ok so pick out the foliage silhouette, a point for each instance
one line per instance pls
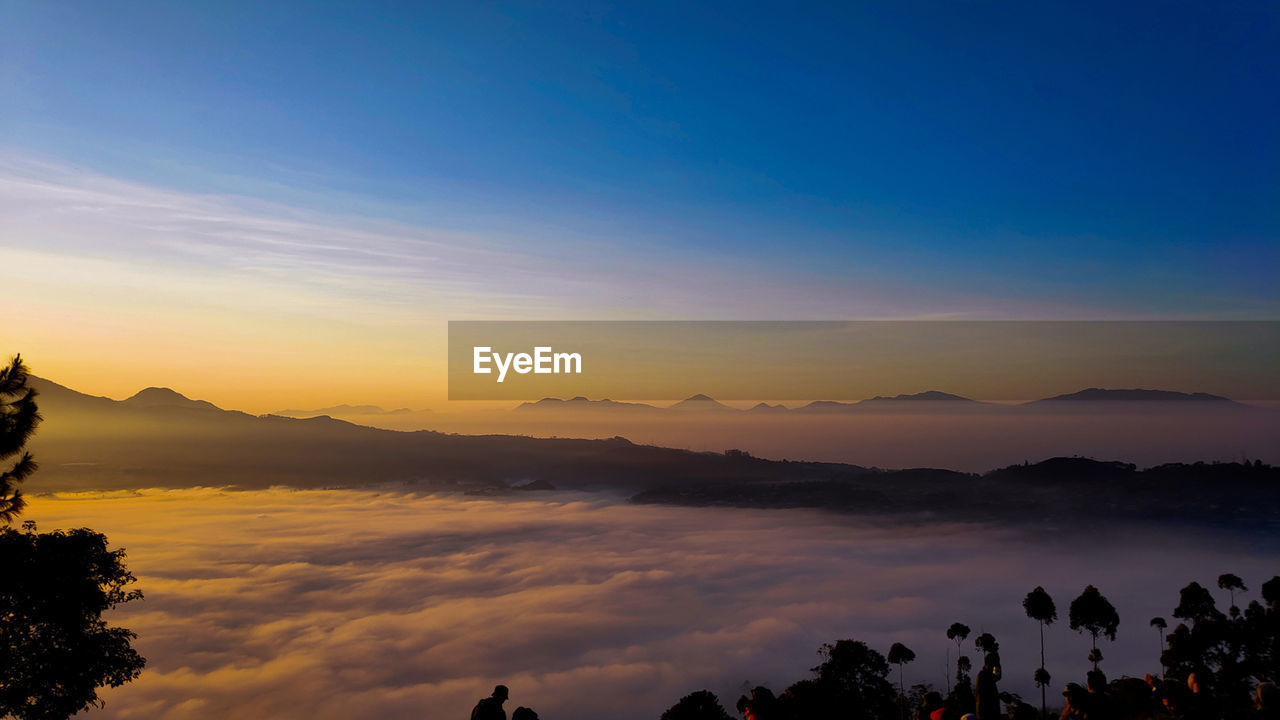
(986, 642)
(1094, 614)
(1160, 624)
(55, 648)
(1232, 584)
(1039, 606)
(18, 419)
(1216, 666)
(854, 678)
(700, 705)
(900, 655)
(958, 632)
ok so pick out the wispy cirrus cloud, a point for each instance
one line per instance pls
(259, 305)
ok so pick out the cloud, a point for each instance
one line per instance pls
(223, 249)
(339, 604)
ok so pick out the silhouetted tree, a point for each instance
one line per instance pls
(761, 704)
(1094, 614)
(1042, 678)
(986, 642)
(1232, 583)
(1261, 633)
(961, 696)
(700, 705)
(853, 677)
(55, 648)
(957, 633)
(900, 655)
(1195, 603)
(1194, 646)
(1160, 624)
(1015, 708)
(18, 419)
(1040, 607)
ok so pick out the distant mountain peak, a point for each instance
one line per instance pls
(166, 397)
(581, 403)
(926, 396)
(1134, 395)
(699, 402)
(344, 409)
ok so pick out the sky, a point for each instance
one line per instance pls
(281, 204)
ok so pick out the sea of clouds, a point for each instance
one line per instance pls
(338, 604)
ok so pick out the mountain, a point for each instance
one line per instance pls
(930, 399)
(581, 403)
(338, 410)
(1056, 493)
(697, 403)
(160, 438)
(1135, 395)
(766, 408)
(926, 396)
(826, 406)
(51, 392)
(700, 403)
(164, 397)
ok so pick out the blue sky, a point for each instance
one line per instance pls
(1108, 159)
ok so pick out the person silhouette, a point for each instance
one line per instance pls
(987, 694)
(490, 708)
(524, 713)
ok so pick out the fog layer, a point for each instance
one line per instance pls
(333, 604)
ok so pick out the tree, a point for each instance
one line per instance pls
(986, 642)
(853, 677)
(1042, 678)
(18, 419)
(900, 655)
(1232, 583)
(958, 632)
(55, 648)
(700, 705)
(1195, 603)
(1040, 607)
(1160, 624)
(1094, 614)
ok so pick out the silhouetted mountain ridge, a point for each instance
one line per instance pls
(165, 397)
(163, 439)
(1134, 395)
(1240, 496)
(345, 409)
(921, 401)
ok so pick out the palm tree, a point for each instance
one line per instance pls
(1040, 607)
(18, 419)
(1232, 583)
(900, 655)
(1094, 614)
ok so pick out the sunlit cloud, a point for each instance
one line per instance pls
(334, 604)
